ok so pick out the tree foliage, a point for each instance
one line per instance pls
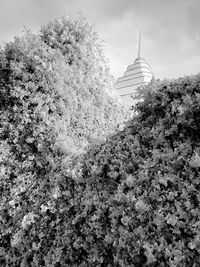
(141, 202)
(131, 201)
(96, 107)
(53, 102)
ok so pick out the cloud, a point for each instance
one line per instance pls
(171, 32)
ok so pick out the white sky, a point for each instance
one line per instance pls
(170, 29)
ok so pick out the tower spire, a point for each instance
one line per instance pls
(139, 45)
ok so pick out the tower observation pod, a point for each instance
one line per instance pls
(137, 74)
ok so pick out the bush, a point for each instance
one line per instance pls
(140, 206)
(133, 201)
(48, 113)
(93, 107)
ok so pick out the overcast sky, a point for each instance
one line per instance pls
(170, 29)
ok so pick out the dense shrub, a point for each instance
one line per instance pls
(50, 108)
(133, 201)
(141, 203)
(94, 107)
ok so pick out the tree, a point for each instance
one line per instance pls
(50, 107)
(140, 205)
(94, 107)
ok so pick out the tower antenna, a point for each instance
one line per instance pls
(139, 45)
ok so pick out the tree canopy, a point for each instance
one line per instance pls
(140, 205)
(56, 97)
(130, 201)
